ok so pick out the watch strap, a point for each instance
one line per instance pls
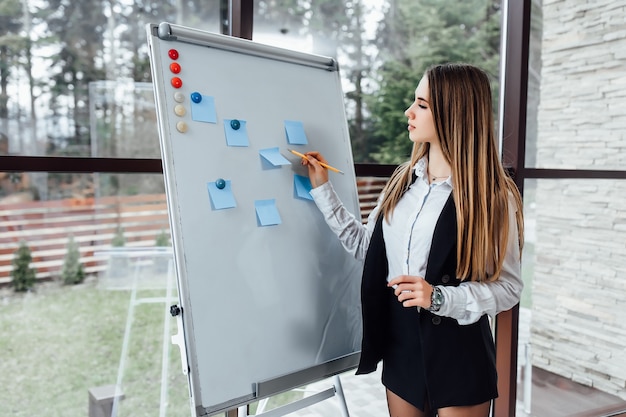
(436, 299)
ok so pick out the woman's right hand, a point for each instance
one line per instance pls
(317, 173)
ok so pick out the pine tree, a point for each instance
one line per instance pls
(415, 34)
(72, 272)
(161, 263)
(119, 239)
(23, 275)
(162, 239)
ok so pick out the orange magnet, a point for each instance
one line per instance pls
(177, 82)
(175, 67)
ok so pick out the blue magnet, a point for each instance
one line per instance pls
(235, 124)
(220, 183)
(196, 97)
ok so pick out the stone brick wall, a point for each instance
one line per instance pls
(579, 285)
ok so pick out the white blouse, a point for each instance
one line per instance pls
(408, 237)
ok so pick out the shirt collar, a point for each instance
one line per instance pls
(421, 168)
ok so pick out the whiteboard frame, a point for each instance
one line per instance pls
(261, 389)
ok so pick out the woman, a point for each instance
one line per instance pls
(442, 252)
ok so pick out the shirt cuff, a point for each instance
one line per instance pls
(454, 304)
(325, 197)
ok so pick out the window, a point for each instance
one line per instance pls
(571, 335)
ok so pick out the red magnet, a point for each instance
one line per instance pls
(175, 67)
(177, 82)
(173, 53)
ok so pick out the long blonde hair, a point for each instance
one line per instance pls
(460, 100)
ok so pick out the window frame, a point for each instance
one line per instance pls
(514, 76)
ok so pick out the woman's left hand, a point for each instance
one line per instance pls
(412, 291)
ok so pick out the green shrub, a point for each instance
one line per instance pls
(72, 271)
(162, 239)
(161, 263)
(118, 265)
(23, 276)
(119, 239)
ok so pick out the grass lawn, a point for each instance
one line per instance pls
(59, 341)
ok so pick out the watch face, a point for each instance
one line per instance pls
(438, 297)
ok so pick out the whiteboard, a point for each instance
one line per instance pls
(270, 299)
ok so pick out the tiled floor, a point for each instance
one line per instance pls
(364, 394)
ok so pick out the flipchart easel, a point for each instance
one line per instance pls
(226, 108)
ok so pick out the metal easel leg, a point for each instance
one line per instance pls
(342, 398)
(337, 390)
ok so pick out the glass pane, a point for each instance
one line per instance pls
(383, 49)
(86, 283)
(576, 116)
(572, 329)
(369, 189)
(123, 120)
(75, 79)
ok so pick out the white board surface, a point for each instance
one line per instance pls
(264, 307)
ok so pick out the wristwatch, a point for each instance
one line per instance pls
(436, 299)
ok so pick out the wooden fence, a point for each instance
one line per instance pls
(93, 222)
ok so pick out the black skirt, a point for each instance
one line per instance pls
(469, 374)
(403, 367)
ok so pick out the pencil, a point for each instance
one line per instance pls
(321, 163)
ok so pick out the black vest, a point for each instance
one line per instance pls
(459, 361)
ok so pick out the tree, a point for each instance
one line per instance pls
(132, 18)
(162, 239)
(76, 29)
(72, 271)
(119, 239)
(416, 34)
(358, 71)
(281, 16)
(340, 26)
(10, 24)
(161, 263)
(23, 276)
(337, 29)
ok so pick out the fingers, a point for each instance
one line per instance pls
(317, 173)
(412, 291)
(404, 279)
(317, 156)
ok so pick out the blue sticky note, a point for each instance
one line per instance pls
(221, 198)
(273, 156)
(267, 213)
(302, 186)
(204, 110)
(238, 136)
(295, 133)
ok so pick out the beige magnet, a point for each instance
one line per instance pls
(179, 97)
(180, 110)
(181, 127)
